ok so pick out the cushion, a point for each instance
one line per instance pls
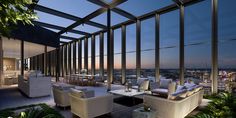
(189, 85)
(164, 83)
(153, 85)
(63, 86)
(197, 88)
(180, 87)
(179, 94)
(82, 93)
(88, 94)
(76, 93)
(141, 80)
(144, 85)
(160, 91)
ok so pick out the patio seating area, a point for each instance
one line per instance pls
(11, 97)
(117, 58)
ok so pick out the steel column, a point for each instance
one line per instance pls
(57, 63)
(79, 56)
(157, 47)
(181, 47)
(1, 62)
(214, 46)
(65, 60)
(45, 60)
(138, 48)
(22, 58)
(101, 55)
(69, 58)
(86, 53)
(123, 54)
(109, 68)
(74, 57)
(93, 59)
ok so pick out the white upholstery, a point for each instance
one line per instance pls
(35, 86)
(61, 94)
(165, 91)
(143, 83)
(166, 108)
(91, 107)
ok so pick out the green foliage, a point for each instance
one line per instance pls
(32, 111)
(13, 12)
(223, 105)
(6, 113)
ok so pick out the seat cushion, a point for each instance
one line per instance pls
(88, 94)
(76, 93)
(160, 91)
(82, 93)
(141, 80)
(154, 85)
(164, 83)
(178, 94)
(63, 86)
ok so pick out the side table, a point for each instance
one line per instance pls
(140, 113)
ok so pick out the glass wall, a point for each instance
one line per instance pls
(89, 55)
(97, 51)
(198, 41)
(117, 56)
(169, 45)
(131, 51)
(148, 48)
(227, 42)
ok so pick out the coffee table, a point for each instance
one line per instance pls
(122, 92)
(127, 96)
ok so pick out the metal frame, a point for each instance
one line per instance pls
(92, 15)
(157, 47)
(123, 55)
(65, 15)
(101, 56)
(138, 49)
(181, 47)
(179, 4)
(214, 53)
(93, 58)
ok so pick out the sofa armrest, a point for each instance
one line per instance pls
(91, 107)
(99, 104)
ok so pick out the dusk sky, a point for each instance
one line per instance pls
(197, 30)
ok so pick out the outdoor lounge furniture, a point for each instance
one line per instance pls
(61, 94)
(142, 84)
(165, 88)
(179, 108)
(87, 106)
(34, 84)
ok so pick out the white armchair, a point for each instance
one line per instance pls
(90, 107)
(61, 94)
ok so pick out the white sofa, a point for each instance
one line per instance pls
(90, 107)
(35, 86)
(166, 108)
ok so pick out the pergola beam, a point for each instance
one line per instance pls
(115, 9)
(67, 37)
(58, 28)
(82, 21)
(67, 16)
(92, 15)
(160, 11)
(124, 13)
(178, 2)
(63, 42)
